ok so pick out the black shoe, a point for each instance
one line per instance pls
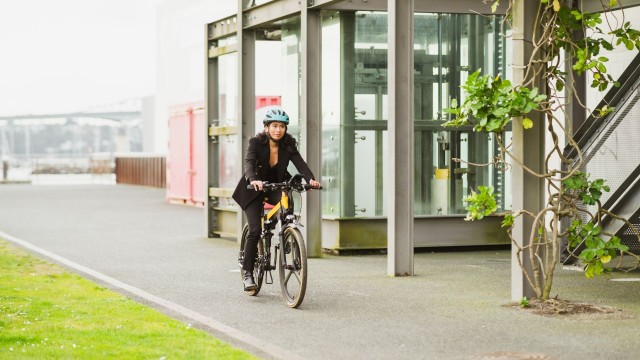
(247, 280)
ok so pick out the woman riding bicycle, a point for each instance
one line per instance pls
(267, 159)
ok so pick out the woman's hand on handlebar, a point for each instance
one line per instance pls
(257, 185)
(314, 183)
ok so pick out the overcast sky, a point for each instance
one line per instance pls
(68, 55)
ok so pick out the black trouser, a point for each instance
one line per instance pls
(254, 215)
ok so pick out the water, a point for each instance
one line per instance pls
(25, 175)
(78, 170)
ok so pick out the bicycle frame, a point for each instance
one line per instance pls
(290, 256)
(268, 225)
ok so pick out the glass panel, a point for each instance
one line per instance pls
(330, 171)
(354, 90)
(290, 54)
(354, 109)
(268, 78)
(290, 47)
(448, 47)
(227, 90)
(365, 172)
(331, 114)
(369, 123)
(330, 70)
(229, 164)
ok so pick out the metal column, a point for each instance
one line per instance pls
(528, 149)
(311, 123)
(246, 92)
(211, 111)
(347, 111)
(401, 110)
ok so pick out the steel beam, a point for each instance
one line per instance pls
(311, 122)
(222, 28)
(401, 139)
(222, 50)
(261, 15)
(421, 6)
(318, 4)
(527, 148)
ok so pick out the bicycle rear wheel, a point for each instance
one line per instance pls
(258, 270)
(293, 267)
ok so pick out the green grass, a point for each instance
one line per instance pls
(49, 313)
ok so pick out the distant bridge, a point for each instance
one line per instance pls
(110, 115)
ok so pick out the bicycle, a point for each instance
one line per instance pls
(290, 252)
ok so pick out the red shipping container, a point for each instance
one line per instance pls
(185, 158)
(186, 170)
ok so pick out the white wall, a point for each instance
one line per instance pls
(181, 59)
(619, 57)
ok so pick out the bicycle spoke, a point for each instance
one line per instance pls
(297, 277)
(286, 280)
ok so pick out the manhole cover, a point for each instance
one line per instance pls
(510, 355)
(625, 279)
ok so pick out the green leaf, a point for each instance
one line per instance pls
(612, 3)
(629, 44)
(527, 123)
(508, 220)
(589, 271)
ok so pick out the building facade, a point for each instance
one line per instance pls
(330, 61)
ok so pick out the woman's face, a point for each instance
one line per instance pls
(276, 130)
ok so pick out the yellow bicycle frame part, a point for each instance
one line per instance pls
(284, 202)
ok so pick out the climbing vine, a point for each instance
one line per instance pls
(565, 40)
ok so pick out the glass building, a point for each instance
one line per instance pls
(330, 64)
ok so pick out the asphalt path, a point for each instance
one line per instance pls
(135, 242)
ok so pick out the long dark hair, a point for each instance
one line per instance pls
(288, 141)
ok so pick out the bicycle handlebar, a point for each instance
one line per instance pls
(285, 185)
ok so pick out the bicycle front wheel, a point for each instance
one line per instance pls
(258, 271)
(293, 267)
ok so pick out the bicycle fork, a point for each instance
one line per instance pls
(266, 265)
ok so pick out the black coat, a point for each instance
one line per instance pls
(256, 165)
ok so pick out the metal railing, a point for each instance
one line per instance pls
(610, 150)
